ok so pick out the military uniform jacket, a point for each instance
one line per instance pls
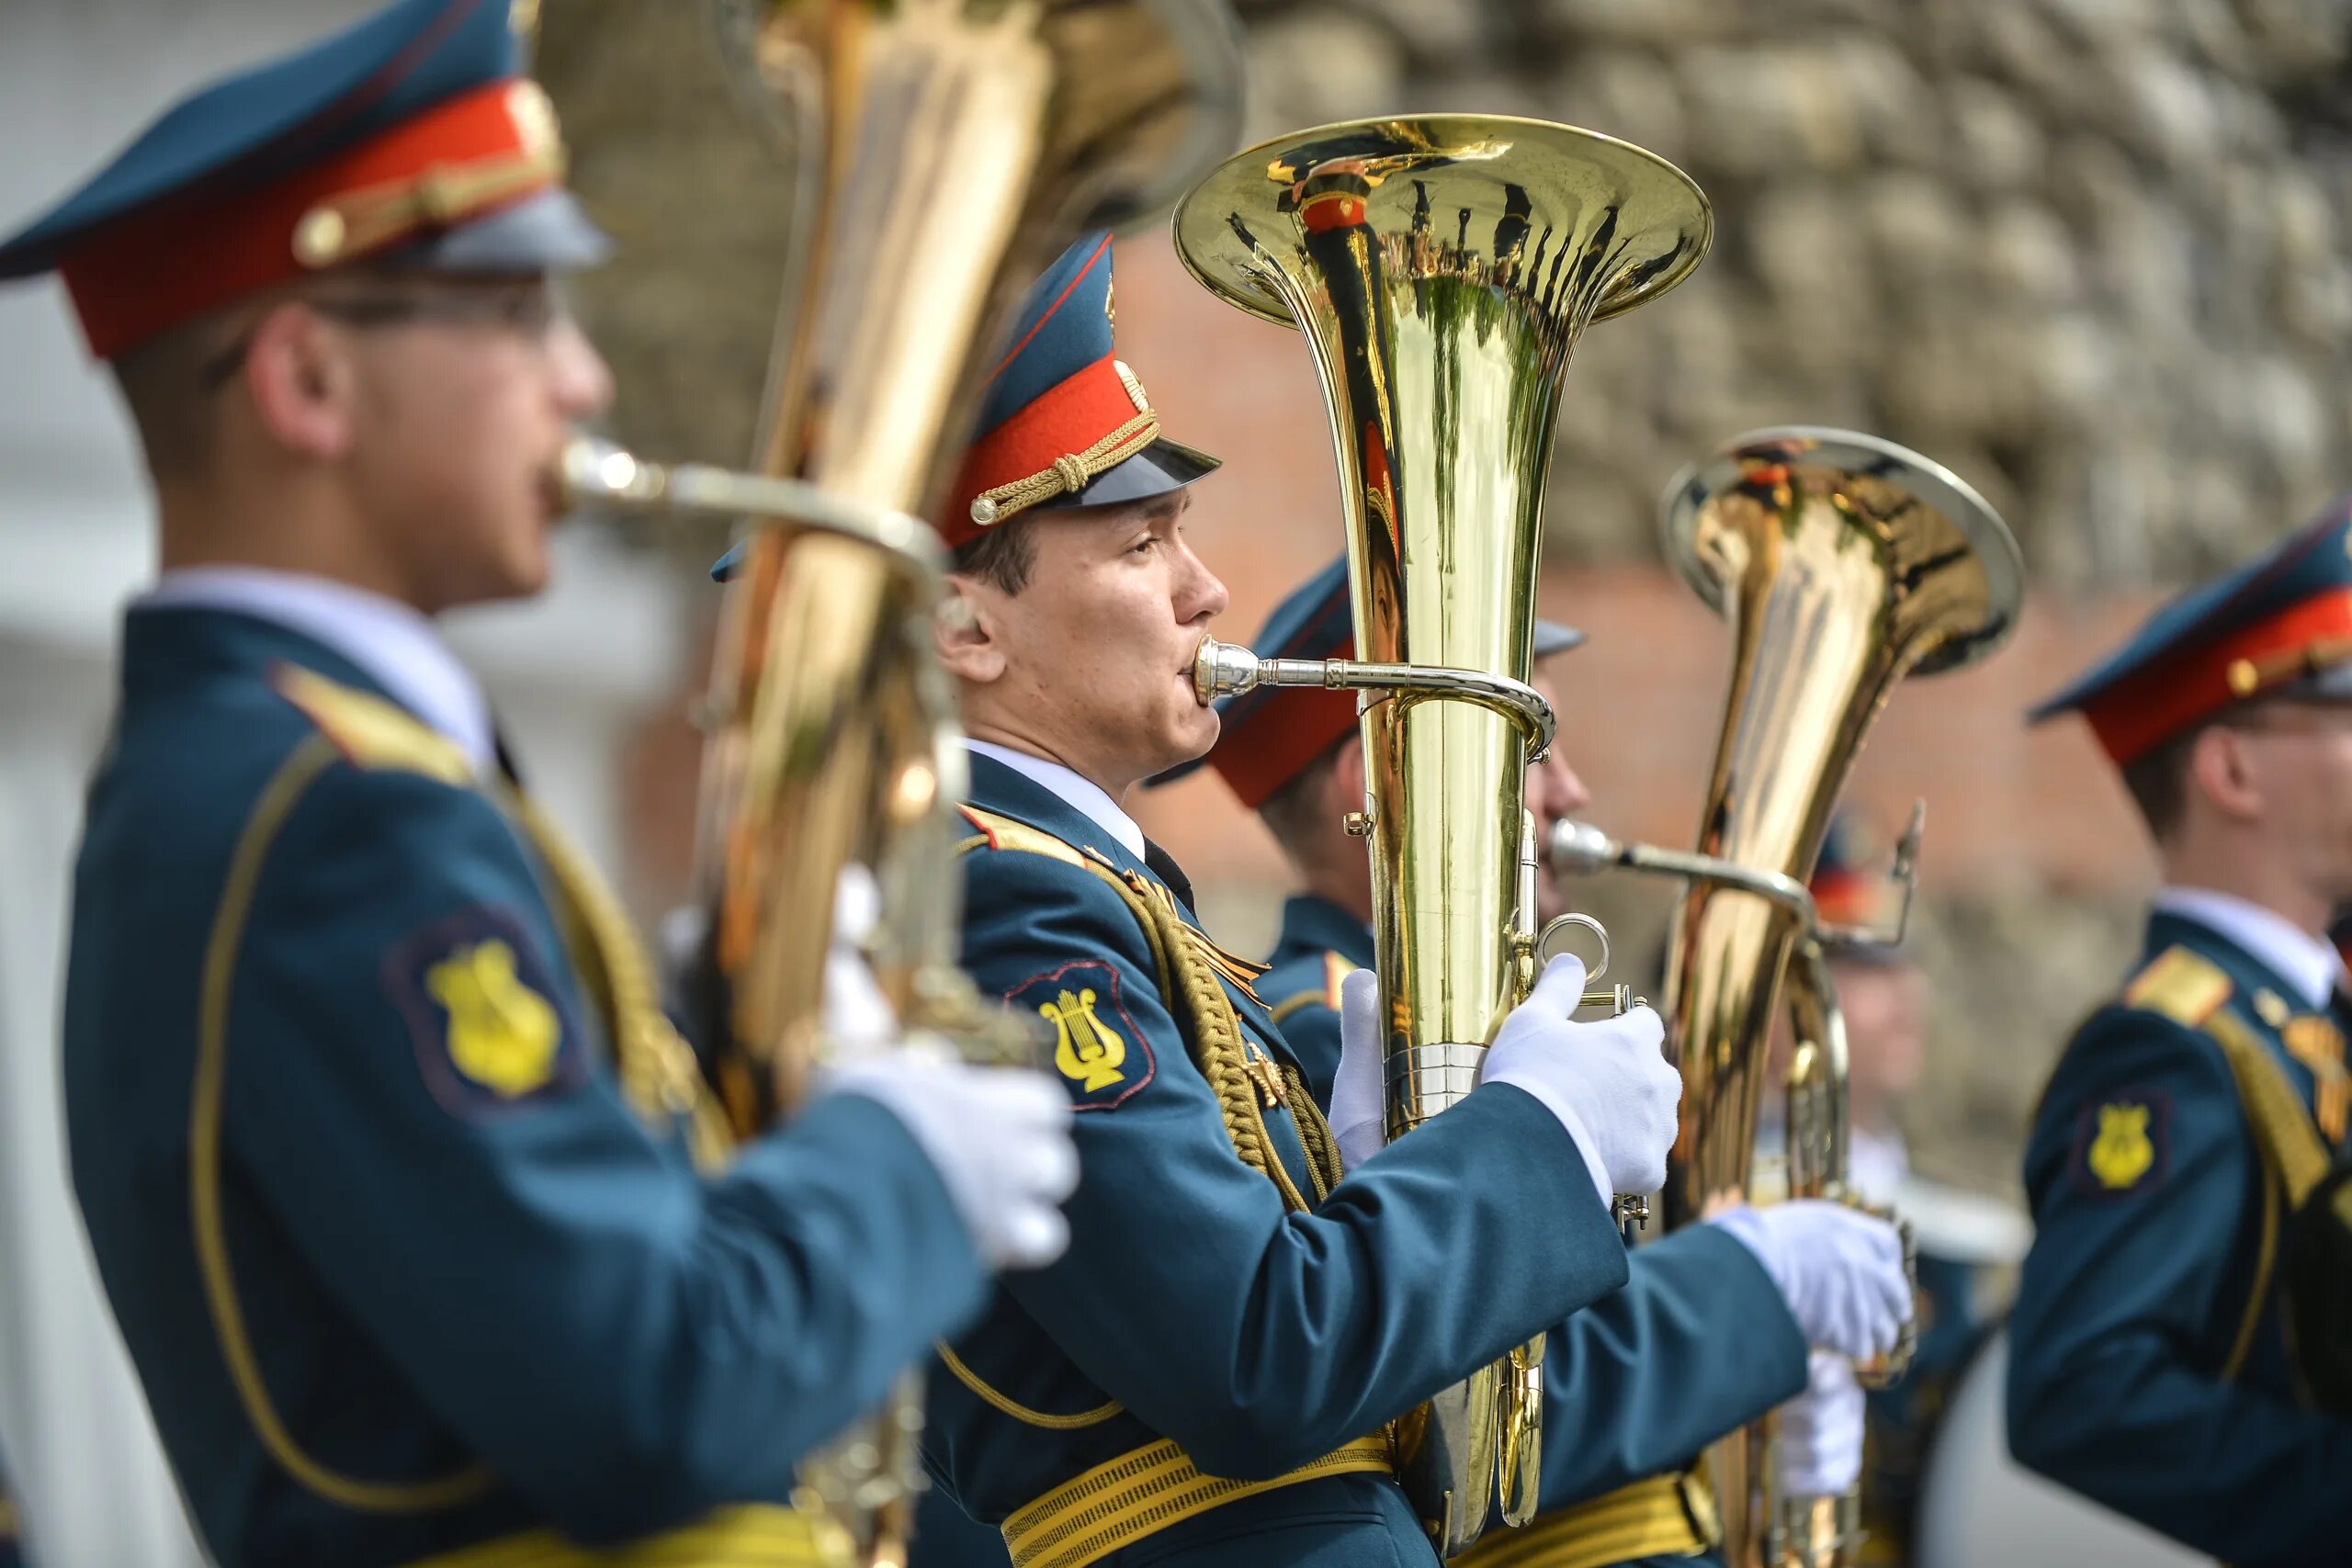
(1212, 1305)
(400, 1264)
(2149, 1367)
(1697, 1343)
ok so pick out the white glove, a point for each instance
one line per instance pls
(1821, 1431)
(1839, 1270)
(1607, 1081)
(1359, 1120)
(858, 1017)
(999, 1136)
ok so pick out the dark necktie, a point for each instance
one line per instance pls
(1164, 866)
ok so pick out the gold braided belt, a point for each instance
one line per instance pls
(1137, 1494)
(751, 1534)
(1661, 1516)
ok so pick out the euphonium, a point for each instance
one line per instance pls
(946, 151)
(1842, 563)
(1441, 269)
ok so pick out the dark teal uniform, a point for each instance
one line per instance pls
(1697, 1343)
(2149, 1369)
(403, 1262)
(1217, 1326)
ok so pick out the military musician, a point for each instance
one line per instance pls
(1204, 1376)
(407, 1198)
(2150, 1367)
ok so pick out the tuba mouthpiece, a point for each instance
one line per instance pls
(1579, 848)
(1223, 670)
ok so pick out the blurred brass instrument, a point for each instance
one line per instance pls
(1441, 269)
(1842, 563)
(944, 151)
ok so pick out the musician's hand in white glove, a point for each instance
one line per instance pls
(999, 1137)
(1821, 1431)
(1357, 1115)
(1605, 1081)
(1839, 1270)
(858, 1017)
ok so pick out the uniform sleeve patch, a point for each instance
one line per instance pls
(483, 1013)
(1097, 1045)
(2122, 1142)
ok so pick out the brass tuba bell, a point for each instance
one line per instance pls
(946, 152)
(1842, 563)
(1441, 269)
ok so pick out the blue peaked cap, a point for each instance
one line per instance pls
(2279, 624)
(285, 116)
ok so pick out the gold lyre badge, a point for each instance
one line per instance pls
(1087, 1051)
(502, 1034)
(2121, 1153)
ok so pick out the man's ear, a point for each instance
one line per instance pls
(2221, 769)
(302, 383)
(967, 632)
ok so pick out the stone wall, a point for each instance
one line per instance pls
(2086, 252)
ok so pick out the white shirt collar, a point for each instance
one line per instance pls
(394, 644)
(2308, 962)
(1075, 790)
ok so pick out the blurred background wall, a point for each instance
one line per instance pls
(2087, 253)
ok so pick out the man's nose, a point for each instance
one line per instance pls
(583, 382)
(1202, 596)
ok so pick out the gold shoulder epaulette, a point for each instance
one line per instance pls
(1000, 832)
(369, 731)
(2181, 984)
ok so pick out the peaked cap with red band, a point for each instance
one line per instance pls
(2279, 625)
(409, 139)
(1062, 422)
(1272, 735)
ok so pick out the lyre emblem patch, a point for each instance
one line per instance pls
(502, 1034)
(1098, 1045)
(490, 1024)
(2122, 1154)
(2119, 1143)
(1088, 1051)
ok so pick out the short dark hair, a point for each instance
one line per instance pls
(174, 413)
(1002, 556)
(2159, 780)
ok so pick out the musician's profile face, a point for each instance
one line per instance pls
(1089, 663)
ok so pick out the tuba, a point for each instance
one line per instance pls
(1440, 269)
(1842, 563)
(946, 151)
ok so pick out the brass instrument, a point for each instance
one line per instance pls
(1441, 269)
(1842, 563)
(946, 151)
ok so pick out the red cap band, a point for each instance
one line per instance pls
(1065, 420)
(169, 263)
(2141, 712)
